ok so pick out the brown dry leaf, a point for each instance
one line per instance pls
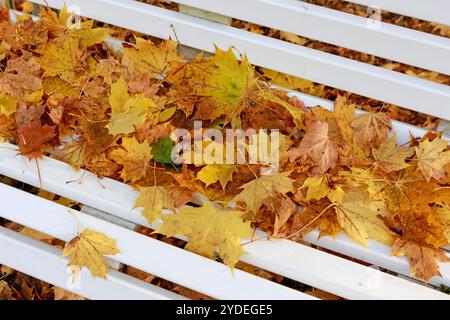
(61, 294)
(33, 137)
(344, 114)
(317, 146)
(424, 226)
(371, 130)
(284, 208)
(423, 260)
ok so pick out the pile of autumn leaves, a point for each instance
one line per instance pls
(64, 93)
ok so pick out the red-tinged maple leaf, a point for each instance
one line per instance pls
(33, 137)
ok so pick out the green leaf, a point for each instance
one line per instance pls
(162, 150)
(166, 114)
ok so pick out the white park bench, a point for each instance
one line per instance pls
(299, 262)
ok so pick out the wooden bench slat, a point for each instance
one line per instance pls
(346, 74)
(48, 266)
(338, 28)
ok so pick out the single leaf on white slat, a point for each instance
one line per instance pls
(43, 262)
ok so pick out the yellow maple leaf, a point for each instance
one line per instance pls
(432, 158)
(88, 249)
(423, 260)
(216, 172)
(88, 35)
(255, 192)
(212, 231)
(8, 104)
(390, 157)
(363, 178)
(193, 72)
(154, 199)
(4, 49)
(344, 113)
(148, 58)
(128, 111)
(319, 188)
(231, 82)
(359, 219)
(82, 30)
(444, 216)
(287, 81)
(61, 58)
(135, 158)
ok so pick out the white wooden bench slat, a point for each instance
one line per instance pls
(117, 198)
(17, 251)
(144, 253)
(367, 80)
(429, 10)
(376, 253)
(339, 28)
(331, 273)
